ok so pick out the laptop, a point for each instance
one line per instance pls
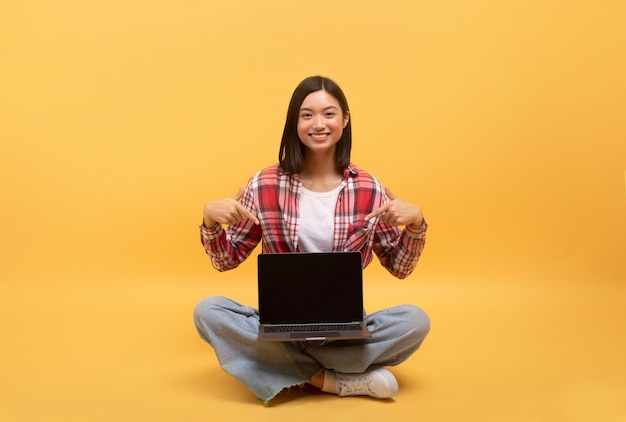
(311, 296)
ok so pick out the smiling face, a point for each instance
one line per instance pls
(320, 121)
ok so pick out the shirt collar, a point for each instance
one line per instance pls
(349, 171)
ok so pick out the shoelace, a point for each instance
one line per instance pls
(356, 385)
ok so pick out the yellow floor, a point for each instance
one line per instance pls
(88, 348)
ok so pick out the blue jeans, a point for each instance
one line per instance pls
(267, 368)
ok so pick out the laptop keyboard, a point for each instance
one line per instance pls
(311, 328)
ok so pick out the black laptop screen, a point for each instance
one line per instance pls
(310, 287)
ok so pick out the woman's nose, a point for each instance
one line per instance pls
(318, 122)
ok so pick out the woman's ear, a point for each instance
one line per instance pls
(346, 119)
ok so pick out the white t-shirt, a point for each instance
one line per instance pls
(317, 220)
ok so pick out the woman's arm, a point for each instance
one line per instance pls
(398, 251)
(229, 247)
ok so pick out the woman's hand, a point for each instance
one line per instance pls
(398, 212)
(227, 211)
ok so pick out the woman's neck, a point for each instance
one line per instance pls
(320, 174)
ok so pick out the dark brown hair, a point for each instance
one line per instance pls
(291, 154)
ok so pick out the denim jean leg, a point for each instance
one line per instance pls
(266, 368)
(396, 334)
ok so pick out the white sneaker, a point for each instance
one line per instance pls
(379, 383)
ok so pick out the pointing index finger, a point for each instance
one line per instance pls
(376, 212)
(247, 214)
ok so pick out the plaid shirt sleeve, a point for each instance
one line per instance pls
(229, 247)
(399, 254)
(398, 250)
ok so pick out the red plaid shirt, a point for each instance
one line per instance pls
(273, 196)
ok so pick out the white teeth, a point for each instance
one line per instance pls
(323, 135)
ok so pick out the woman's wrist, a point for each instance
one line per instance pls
(417, 224)
(208, 223)
(416, 231)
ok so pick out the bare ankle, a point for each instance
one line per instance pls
(318, 380)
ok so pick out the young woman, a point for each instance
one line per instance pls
(313, 200)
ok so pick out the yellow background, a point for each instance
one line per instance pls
(505, 121)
